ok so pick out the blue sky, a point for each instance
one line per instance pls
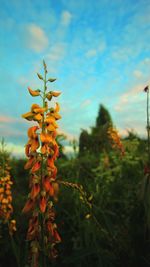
(99, 51)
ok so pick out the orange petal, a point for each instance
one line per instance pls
(49, 96)
(56, 236)
(57, 107)
(38, 117)
(43, 149)
(36, 167)
(56, 152)
(34, 106)
(34, 144)
(45, 138)
(28, 116)
(50, 228)
(32, 132)
(50, 128)
(35, 190)
(28, 206)
(56, 189)
(51, 190)
(27, 150)
(39, 110)
(46, 183)
(43, 204)
(50, 119)
(33, 228)
(48, 186)
(29, 163)
(55, 94)
(57, 116)
(34, 92)
(50, 162)
(54, 173)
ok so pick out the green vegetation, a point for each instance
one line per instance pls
(107, 224)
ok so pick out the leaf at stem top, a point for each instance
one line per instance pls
(44, 64)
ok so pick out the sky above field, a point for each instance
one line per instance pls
(99, 51)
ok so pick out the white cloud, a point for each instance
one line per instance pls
(15, 150)
(65, 18)
(137, 74)
(96, 50)
(129, 97)
(91, 53)
(57, 52)
(101, 47)
(86, 103)
(35, 38)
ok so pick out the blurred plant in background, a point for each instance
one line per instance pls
(6, 208)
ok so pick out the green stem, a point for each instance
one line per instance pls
(42, 163)
(148, 127)
(14, 248)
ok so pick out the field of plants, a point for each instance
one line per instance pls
(91, 208)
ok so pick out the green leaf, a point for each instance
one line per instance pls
(51, 80)
(40, 76)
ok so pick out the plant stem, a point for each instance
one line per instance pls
(148, 127)
(42, 163)
(14, 248)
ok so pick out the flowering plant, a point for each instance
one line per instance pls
(42, 150)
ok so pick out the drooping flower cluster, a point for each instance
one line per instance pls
(6, 208)
(115, 139)
(42, 150)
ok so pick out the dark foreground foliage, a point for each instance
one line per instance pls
(114, 232)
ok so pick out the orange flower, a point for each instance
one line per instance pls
(27, 150)
(55, 94)
(50, 94)
(33, 143)
(48, 185)
(42, 204)
(54, 172)
(50, 227)
(34, 92)
(46, 139)
(56, 151)
(36, 113)
(54, 112)
(33, 229)
(29, 163)
(115, 138)
(32, 132)
(35, 190)
(56, 236)
(50, 163)
(36, 167)
(28, 116)
(28, 206)
(35, 108)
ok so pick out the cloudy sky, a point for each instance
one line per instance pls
(99, 51)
